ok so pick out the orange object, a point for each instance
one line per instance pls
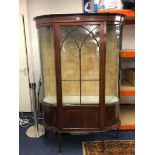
(128, 54)
(120, 11)
(127, 127)
(127, 93)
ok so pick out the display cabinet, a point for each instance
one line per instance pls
(80, 71)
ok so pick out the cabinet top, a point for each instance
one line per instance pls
(45, 20)
(78, 14)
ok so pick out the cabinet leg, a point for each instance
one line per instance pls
(46, 133)
(116, 134)
(60, 142)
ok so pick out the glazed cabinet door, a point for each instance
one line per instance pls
(82, 89)
(80, 64)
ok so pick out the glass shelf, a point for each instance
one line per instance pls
(74, 100)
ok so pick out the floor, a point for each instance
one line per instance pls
(72, 144)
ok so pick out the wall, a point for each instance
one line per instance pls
(25, 99)
(23, 10)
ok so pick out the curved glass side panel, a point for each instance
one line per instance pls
(47, 64)
(112, 64)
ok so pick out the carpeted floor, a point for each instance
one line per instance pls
(109, 147)
(72, 144)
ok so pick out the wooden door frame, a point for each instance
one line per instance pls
(102, 57)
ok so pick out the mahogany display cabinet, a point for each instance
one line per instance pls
(80, 71)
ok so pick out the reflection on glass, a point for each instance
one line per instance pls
(112, 63)
(48, 64)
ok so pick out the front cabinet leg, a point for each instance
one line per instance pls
(46, 132)
(60, 142)
(116, 134)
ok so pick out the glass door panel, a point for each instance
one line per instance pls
(70, 71)
(90, 62)
(71, 92)
(48, 64)
(90, 67)
(70, 60)
(80, 64)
